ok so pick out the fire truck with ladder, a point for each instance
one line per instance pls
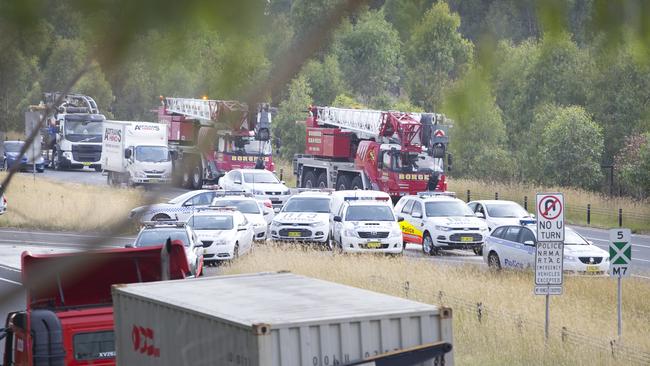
(395, 152)
(210, 137)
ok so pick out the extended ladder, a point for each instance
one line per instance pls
(365, 121)
(203, 109)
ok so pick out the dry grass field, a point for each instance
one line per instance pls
(46, 204)
(511, 328)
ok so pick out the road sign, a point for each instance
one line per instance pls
(32, 120)
(550, 217)
(620, 252)
(549, 266)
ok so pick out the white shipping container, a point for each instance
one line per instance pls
(267, 319)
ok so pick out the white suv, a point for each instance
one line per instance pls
(440, 221)
(305, 217)
(366, 224)
(261, 183)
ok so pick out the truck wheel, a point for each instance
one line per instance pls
(322, 180)
(186, 181)
(342, 183)
(309, 181)
(56, 165)
(357, 183)
(197, 177)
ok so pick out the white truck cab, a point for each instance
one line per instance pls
(136, 153)
(366, 224)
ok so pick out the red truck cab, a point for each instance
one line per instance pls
(69, 316)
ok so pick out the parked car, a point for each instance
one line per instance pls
(224, 232)
(261, 183)
(250, 207)
(513, 246)
(157, 233)
(179, 208)
(439, 221)
(13, 157)
(305, 217)
(499, 212)
(367, 224)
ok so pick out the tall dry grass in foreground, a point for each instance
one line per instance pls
(511, 328)
(604, 209)
(45, 204)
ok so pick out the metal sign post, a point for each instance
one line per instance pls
(549, 253)
(620, 264)
(32, 120)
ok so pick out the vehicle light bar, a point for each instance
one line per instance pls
(217, 208)
(326, 190)
(527, 221)
(163, 223)
(223, 193)
(366, 198)
(436, 193)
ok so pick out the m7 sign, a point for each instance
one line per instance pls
(550, 217)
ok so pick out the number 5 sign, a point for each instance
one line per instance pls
(620, 252)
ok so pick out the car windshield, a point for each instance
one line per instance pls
(506, 209)
(183, 197)
(152, 154)
(307, 205)
(13, 146)
(243, 206)
(158, 236)
(447, 208)
(257, 147)
(83, 131)
(260, 177)
(202, 222)
(573, 238)
(369, 213)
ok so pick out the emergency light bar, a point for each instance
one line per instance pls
(224, 193)
(435, 194)
(527, 222)
(326, 190)
(163, 223)
(217, 208)
(366, 198)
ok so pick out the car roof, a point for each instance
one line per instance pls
(189, 194)
(434, 198)
(235, 198)
(368, 203)
(242, 170)
(492, 202)
(215, 212)
(313, 195)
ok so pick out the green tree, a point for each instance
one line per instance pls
(478, 136)
(346, 101)
(67, 59)
(435, 55)
(369, 55)
(134, 99)
(632, 163)
(570, 149)
(325, 79)
(288, 125)
(403, 15)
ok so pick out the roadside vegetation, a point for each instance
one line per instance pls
(48, 205)
(510, 331)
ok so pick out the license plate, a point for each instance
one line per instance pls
(86, 164)
(153, 180)
(294, 234)
(592, 269)
(466, 238)
(373, 244)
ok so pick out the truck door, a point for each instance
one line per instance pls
(16, 350)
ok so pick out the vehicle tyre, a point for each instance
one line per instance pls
(235, 252)
(5, 167)
(493, 261)
(186, 180)
(357, 183)
(329, 244)
(342, 183)
(160, 217)
(478, 250)
(98, 169)
(56, 164)
(427, 244)
(309, 180)
(322, 180)
(197, 177)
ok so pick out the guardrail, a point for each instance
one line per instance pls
(582, 214)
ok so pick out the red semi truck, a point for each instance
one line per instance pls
(212, 137)
(69, 319)
(395, 152)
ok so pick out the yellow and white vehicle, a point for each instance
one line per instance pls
(438, 220)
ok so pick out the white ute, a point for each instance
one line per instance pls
(224, 232)
(367, 224)
(305, 217)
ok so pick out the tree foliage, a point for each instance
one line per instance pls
(291, 115)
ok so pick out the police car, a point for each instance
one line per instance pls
(305, 217)
(366, 224)
(179, 208)
(513, 246)
(224, 232)
(249, 206)
(439, 220)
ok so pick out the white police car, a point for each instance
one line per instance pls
(250, 207)
(178, 208)
(367, 224)
(224, 232)
(305, 217)
(499, 212)
(513, 246)
(438, 220)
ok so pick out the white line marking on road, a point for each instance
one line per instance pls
(9, 268)
(11, 282)
(64, 234)
(645, 277)
(607, 241)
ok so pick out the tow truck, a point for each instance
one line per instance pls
(396, 152)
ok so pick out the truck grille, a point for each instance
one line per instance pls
(587, 260)
(304, 233)
(86, 153)
(373, 234)
(457, 237)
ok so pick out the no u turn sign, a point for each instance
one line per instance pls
(550, 217)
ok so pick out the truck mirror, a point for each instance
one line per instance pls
(127, 153)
